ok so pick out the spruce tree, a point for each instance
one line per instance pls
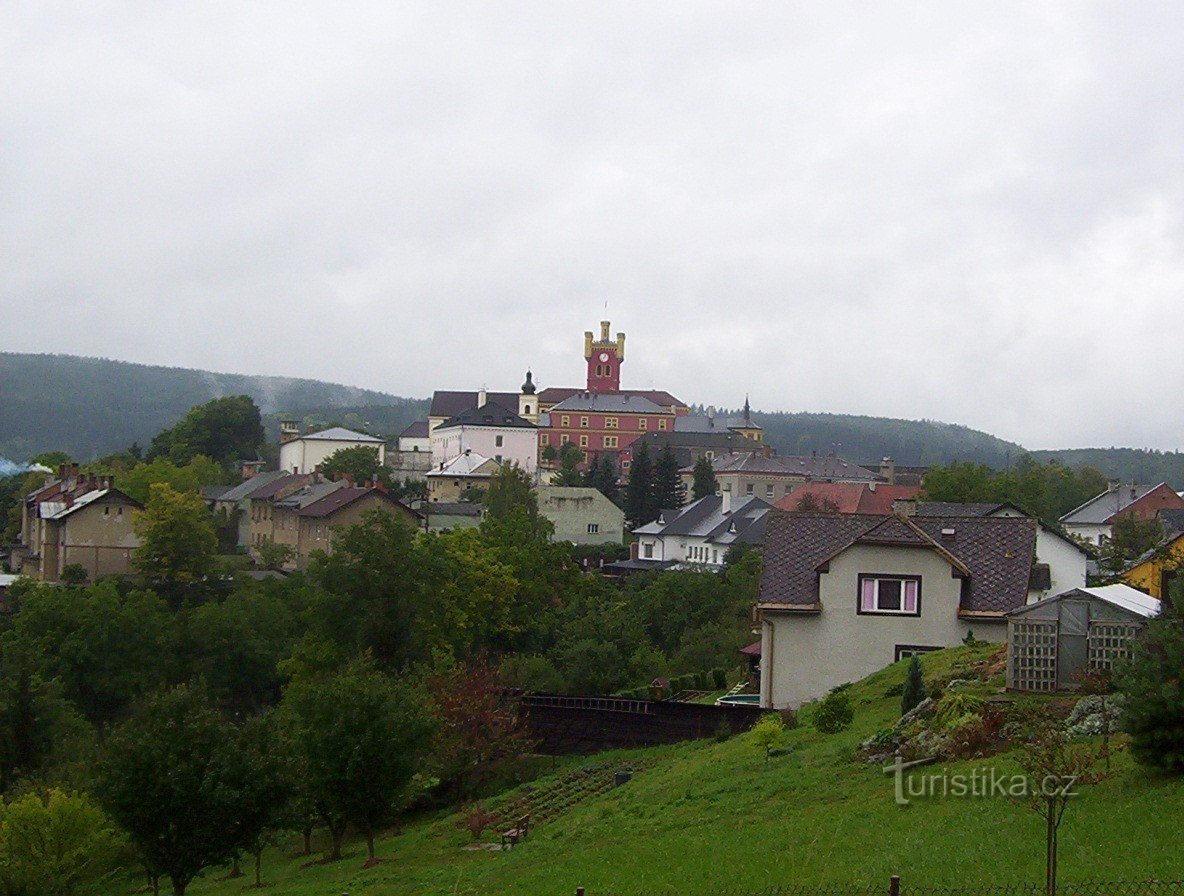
(602, 476)
(1153, 713)
(639, 492)
(669, 489)
(704, 483)
(914, 687)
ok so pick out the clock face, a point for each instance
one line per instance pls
(604, 356)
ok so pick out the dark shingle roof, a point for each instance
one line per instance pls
(449, 404)
(827, 467)
(491, 413)
(248, 487)
(343, 497)
(997, 552)
(954, 508)
(417, 430)
(609, 403)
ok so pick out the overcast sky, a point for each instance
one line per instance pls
(971, 213)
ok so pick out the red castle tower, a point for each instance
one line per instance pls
(604, 357)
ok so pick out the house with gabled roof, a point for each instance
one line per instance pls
(763, 474)
(320, 519)
(305, 453)
(843, 595)
(1093, 520)
(76, 519)
(701, 532)
(490, 429)
(450, 480)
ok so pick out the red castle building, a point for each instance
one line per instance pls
(603, 418)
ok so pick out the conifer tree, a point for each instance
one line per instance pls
(914, 686)
(640, 507)
(704, 483)
(669, 489)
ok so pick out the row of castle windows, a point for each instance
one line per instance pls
(610, 422)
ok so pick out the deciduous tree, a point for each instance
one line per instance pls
(177, 542)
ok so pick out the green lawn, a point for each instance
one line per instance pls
(708, 816)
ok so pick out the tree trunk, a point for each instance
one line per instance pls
(336, 835)
(307, 833)
(259, 867)
(1050, 852)
(369, 846)
(235, 869)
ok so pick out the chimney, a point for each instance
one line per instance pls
(888, 470)
(904, 506)
(482, 397)
(726, 503)
(289, 430)
(349, 480)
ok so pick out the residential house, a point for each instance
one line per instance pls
(305, 453)
(76, 520)
(772, 477)
(318, 521)
(282, 511)
(1059, 569)
(1155, 571)
(489, 429)
(453, 478)
(581, 515)
(702, 531)
(260, 515)
(235, 502)
(1093, 520)
(843, 595)
(1053, 644)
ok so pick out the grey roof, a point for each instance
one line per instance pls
(608, 403)
(1173, 521)
(448, 404)
(706, 519)
(490, 414)
(696, 423)
(307, 494)
(249, 486)
(340, 434)
(214, 492)
(828, 467)
(994, 554)
(1099, 509)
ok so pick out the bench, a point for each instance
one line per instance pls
(516, 833)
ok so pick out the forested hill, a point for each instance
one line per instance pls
(89, 407)
(1127, 464)
(866, 440)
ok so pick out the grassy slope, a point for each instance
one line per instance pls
(714, 816)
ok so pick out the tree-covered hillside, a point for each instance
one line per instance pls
(868, 439)
(1127, 464)
(89, 407)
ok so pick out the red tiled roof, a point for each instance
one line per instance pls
(850, 497)
(343, 497)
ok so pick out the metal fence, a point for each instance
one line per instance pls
(896, 887)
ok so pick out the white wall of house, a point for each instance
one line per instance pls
(510, 444)
(305, 455)
(804, 656)
(581, 515)
(1094, 533)
(1066, 563)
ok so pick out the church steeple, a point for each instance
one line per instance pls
(747, 409)
(528, 386)
(528, 407)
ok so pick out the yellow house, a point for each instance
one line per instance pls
(1155, 572)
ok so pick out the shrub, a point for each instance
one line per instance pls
(968, 735)
(719, 678)
(789, 718)
(475, 818)
(954, 705)
(766, 731)
(834, 713)
(913, 690)
(702, 681)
